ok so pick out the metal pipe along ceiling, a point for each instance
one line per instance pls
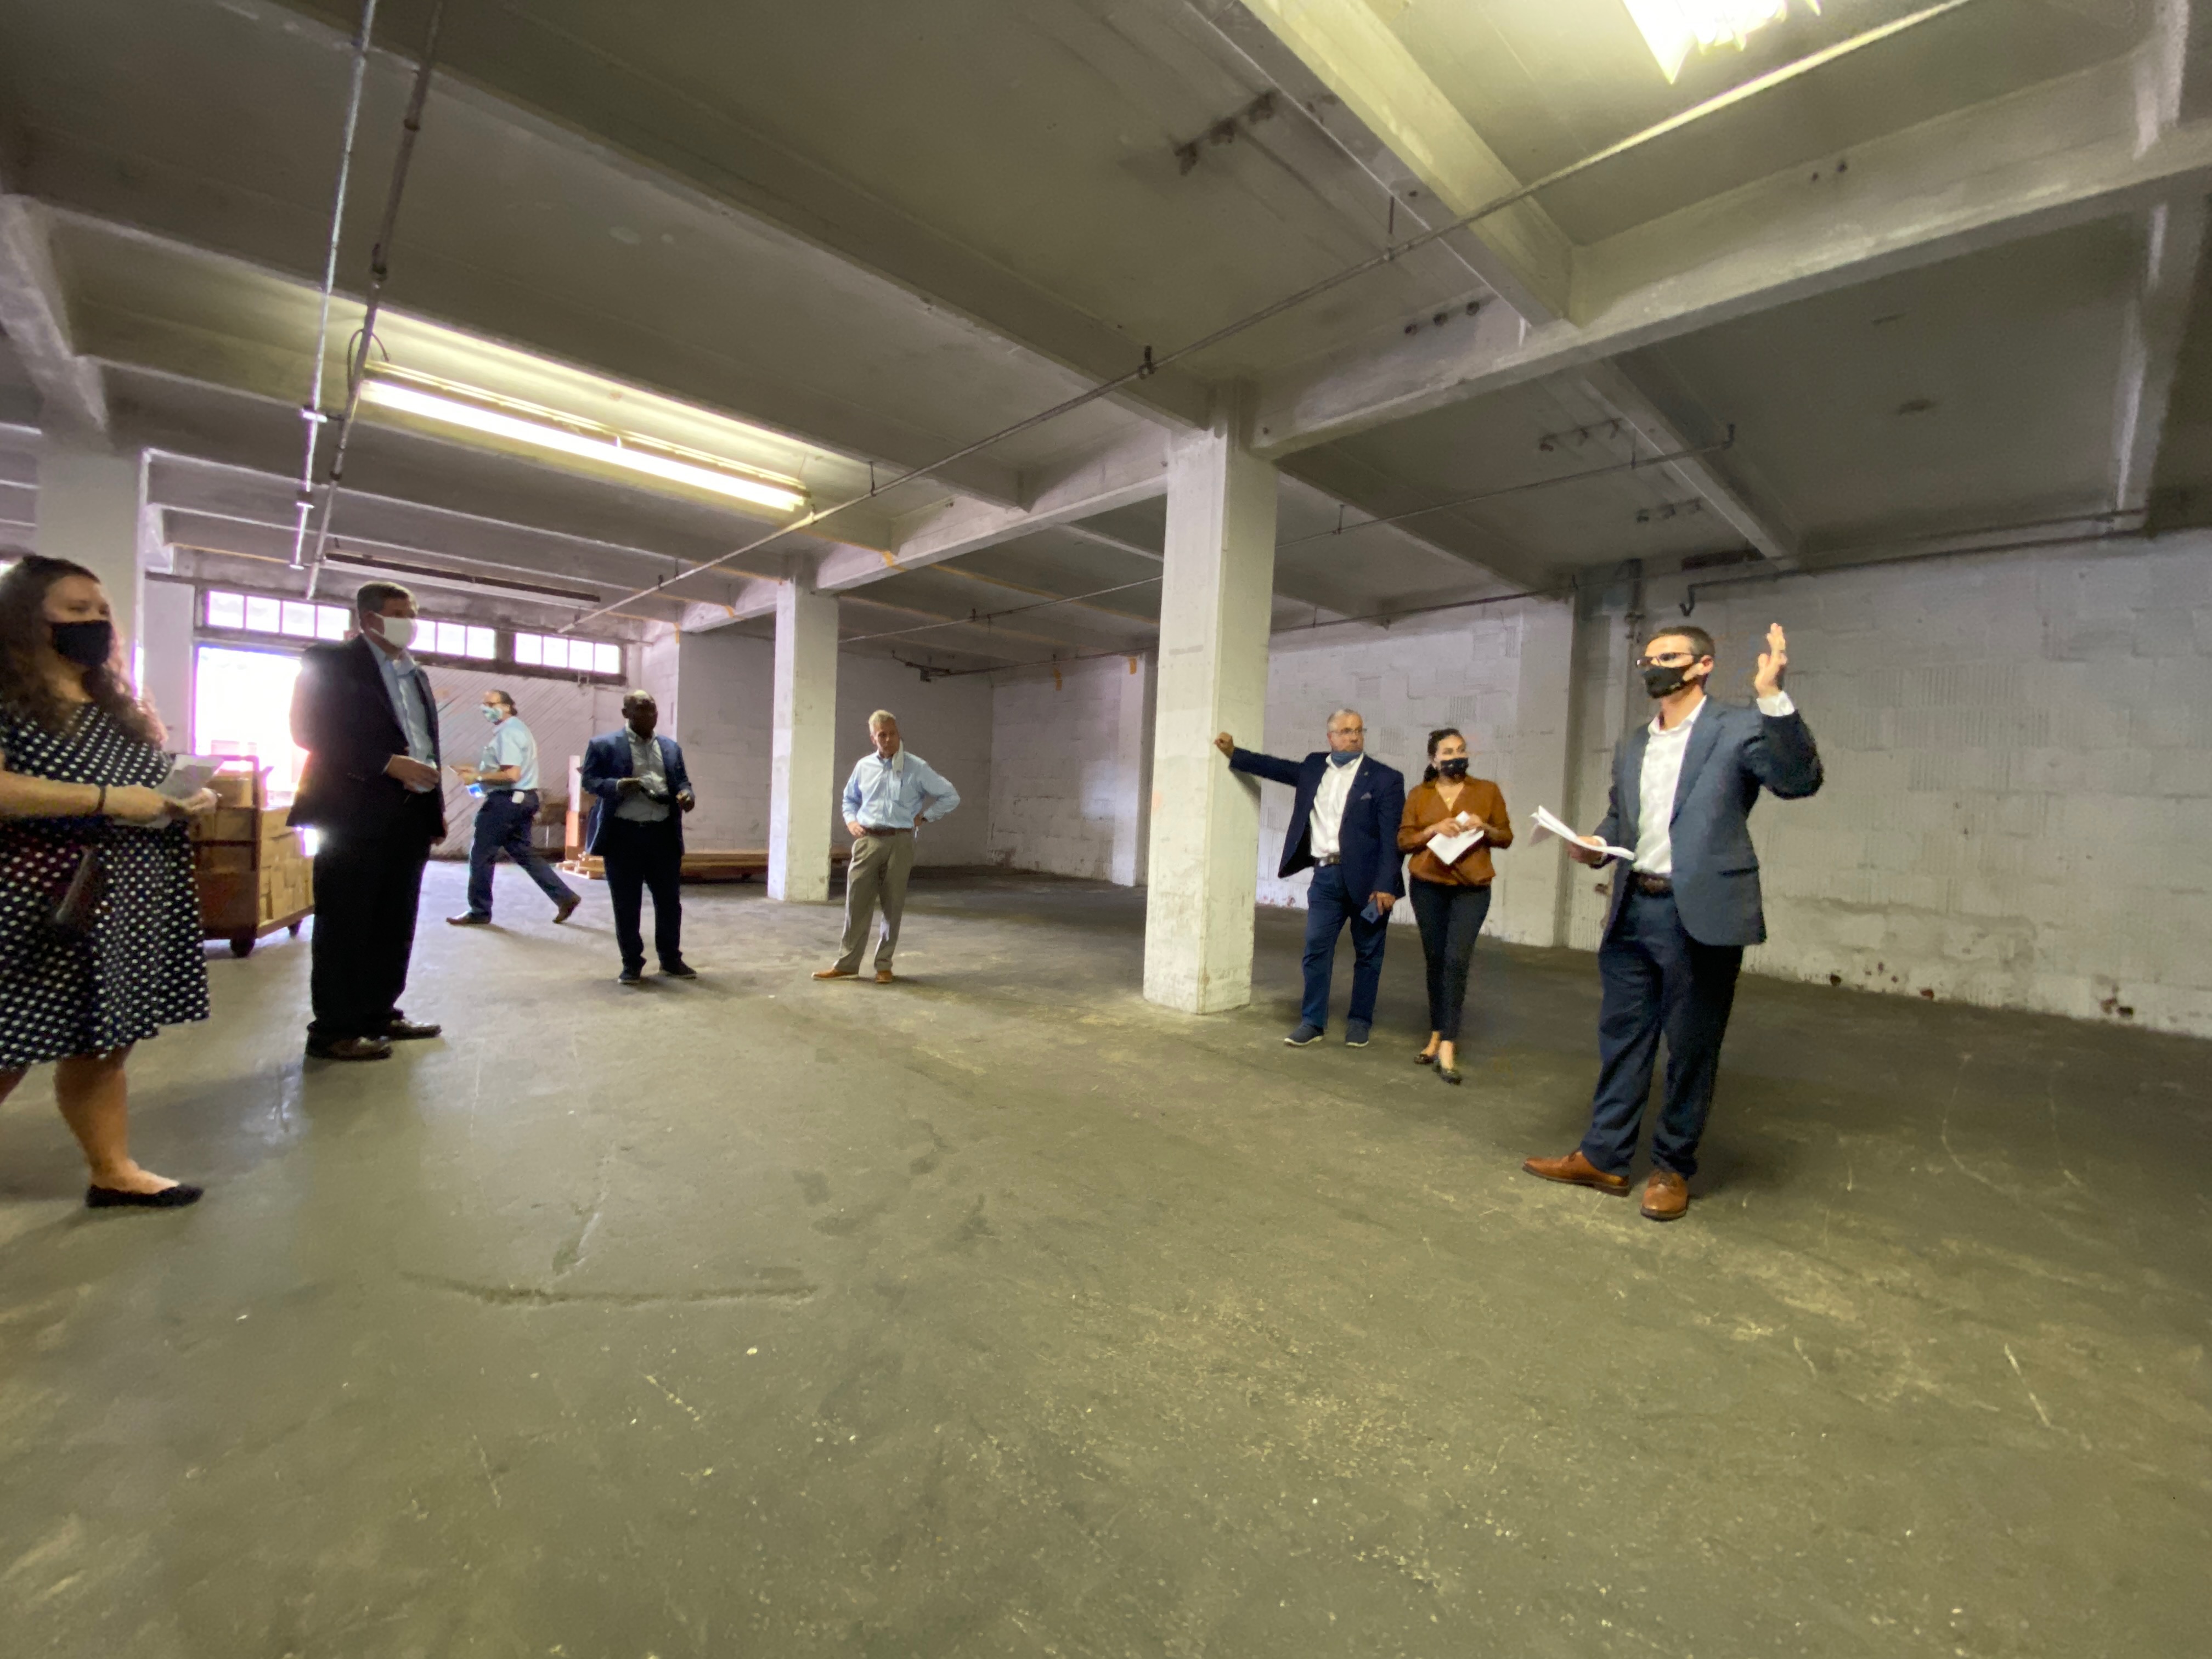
(1152, 364)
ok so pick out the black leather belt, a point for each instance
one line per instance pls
(1332, 858)
(1653, 886)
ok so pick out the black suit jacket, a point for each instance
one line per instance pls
(1367, 837)
(342, 715)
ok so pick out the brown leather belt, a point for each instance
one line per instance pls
(871, 829)
(1653, 886)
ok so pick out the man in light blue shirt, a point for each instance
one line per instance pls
(507, 771)
(891, 793)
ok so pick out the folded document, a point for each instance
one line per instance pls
(1547, 823)
(1452, 848)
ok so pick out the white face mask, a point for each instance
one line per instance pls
(399, 631)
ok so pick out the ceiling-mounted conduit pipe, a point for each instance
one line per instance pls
(380, 261)
(312, 415)
(1151, 365)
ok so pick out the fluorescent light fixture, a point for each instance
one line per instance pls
(565, 435)
(1672, 28)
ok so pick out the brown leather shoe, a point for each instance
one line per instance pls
(1665, 1196)
(1578, 1171)
(834, 973)
(883, 975)
(349, 1049)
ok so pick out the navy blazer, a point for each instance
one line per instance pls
(342, 715)
(1734, 752)
(606, 762)
(1367, 840)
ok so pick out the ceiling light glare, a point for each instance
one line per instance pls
(522, 423)
(1673, 28)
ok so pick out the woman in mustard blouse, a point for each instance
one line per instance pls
(1450, 900)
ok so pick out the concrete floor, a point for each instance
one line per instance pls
(1000, 1313)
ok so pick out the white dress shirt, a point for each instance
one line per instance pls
(1327, 821)
(1662, 777)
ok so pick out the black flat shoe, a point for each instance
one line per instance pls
(1425, 1059)
(680, 970)
(1448, 1074)
(113, 1197)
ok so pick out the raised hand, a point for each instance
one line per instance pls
(1771, 662)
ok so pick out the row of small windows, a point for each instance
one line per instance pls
(302, 619)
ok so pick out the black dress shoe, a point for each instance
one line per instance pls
(630, 977)
(114, 1198)
(349, 1049)
(468, 918)
(407, 1031)
(567, 908)
(680, 970)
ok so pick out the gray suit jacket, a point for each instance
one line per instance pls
(1733, 752)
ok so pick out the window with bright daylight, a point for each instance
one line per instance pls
(577, 656)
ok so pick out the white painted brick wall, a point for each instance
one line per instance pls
(2019, 756)
(1067, 784)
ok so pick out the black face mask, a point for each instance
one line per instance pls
(1662, 682)
(87, 644)
(1453, 768)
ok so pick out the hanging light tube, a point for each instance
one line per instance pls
(525, 423)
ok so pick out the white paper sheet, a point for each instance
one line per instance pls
(1452, 848)
(187, 775)
(1547, 823)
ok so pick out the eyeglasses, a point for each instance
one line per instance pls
(1666, 659)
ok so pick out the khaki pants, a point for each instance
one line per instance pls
(877, 875)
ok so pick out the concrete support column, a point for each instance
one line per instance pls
(800, 785)
(1538, 769)
(89, 510)
(166, 612)
(1132, 760)
(1217, 599)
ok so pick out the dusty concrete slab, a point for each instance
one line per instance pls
(1000, 1312)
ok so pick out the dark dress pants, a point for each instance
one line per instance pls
(367, 889)
(503, 824)
(1328, 908)
(1657, 979)
(1450, 917)
(639, 856)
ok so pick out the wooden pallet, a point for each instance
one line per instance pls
(742, 864)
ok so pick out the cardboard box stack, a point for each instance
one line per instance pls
(251, 869)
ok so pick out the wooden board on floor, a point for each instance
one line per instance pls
(742, 864)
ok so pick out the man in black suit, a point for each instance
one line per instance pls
(1344, 827)
(364, 713)
(637, 829)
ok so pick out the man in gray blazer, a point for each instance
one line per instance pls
(1679, 916)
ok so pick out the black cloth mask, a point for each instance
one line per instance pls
(1663, 682)
(87, 644)
(1453, 768)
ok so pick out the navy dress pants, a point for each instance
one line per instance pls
(1657, 979)
(503, 822)
(1328, 908)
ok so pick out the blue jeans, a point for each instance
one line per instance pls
(503, 826)
(1657, 979)
(1328, 908)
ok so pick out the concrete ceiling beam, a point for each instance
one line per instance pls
(35, 316)
(2053, 157)
(2173, 85)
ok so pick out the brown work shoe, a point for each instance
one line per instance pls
(883, 975)
(1665, 1196)
(834, 973)
(1578, 1171)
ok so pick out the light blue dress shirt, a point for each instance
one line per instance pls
(511, 744)
(402, 684)
(886, 794)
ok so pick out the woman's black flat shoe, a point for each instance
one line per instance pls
(169, 1198)
(1425, 1059)
(1447, 1073)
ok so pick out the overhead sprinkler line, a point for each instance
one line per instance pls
(1152, 364)
(379, 265)
(312, 415)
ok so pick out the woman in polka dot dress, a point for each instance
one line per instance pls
(82, 981)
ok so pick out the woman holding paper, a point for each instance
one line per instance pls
(1452, 823)
(99, 925)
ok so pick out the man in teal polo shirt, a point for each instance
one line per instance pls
(507, 771)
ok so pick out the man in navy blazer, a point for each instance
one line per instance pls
(1682, 914)
(637, 830)
(1344, 828)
